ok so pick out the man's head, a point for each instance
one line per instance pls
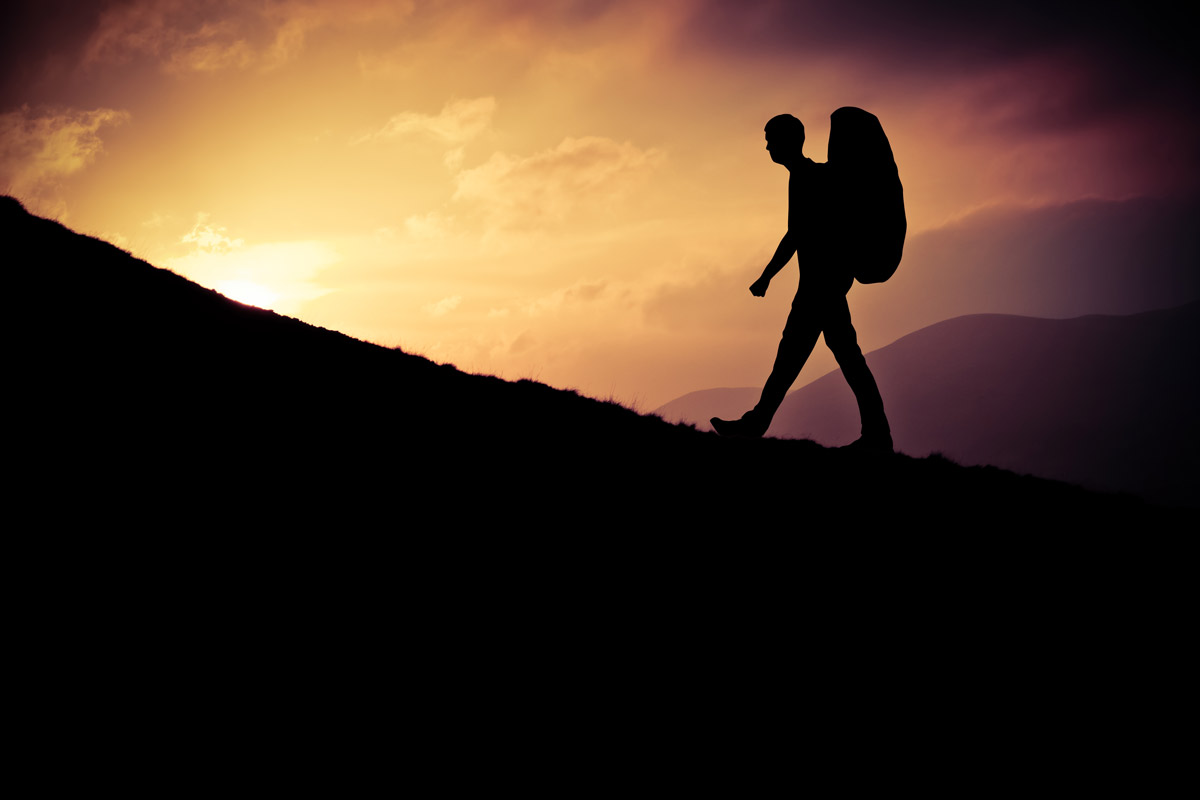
(785, 139)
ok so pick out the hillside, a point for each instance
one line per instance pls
(149, 395)
(1105, 401)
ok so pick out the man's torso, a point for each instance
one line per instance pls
(811, 216)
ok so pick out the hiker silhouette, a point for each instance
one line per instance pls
(833, 219)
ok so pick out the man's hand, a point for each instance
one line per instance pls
(783, 254)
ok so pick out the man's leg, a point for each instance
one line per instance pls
(843, 341)
(799, 337)
(795, 346)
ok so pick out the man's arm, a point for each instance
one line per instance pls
(783, 254)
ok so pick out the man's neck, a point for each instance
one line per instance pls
(802, 162)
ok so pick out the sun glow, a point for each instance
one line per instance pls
(252, 294)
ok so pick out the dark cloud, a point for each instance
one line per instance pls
(930, 34)
(41, 39)
(47, 40)
(1137, 59)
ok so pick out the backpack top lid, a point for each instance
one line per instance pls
(872, 223)
(857, 141)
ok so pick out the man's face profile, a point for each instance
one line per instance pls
(781, 147)
(775, 148)
(785, 139)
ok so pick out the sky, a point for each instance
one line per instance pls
(577, 191)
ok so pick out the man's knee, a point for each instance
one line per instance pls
(849, 355)
(801, 330)
(843, 342)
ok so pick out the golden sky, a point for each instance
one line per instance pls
(578, 192)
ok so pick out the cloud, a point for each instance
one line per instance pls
(924, 34)
(528, 193)
(443, 306)
(39, 149)
(458, 122)
(205, 54)
(198, 36)
(573, 298)
(427, 226)
(291, 21)
(208, 238)
(715, 299)
(213, 35)
(1072, 62)
(585, 292)
(156, 220)
(572, 37)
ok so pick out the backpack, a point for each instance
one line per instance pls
(870, 196)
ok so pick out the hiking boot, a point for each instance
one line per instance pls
(872, 443)
(739, 428)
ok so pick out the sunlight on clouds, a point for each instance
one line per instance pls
(38, 150)
(459, 121)
(210, 36)
(289, 40)
(208, 238)
(294, 20)
(210, 56)
(528, 193)
(427, 226)
(180, 35)
(572, 296)
(444, 306)
(563, 41)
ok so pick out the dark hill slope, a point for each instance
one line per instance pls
(148, 396)
(329, 530)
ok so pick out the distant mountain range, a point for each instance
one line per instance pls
(1109, 402)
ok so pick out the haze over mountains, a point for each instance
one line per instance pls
(1106, 401)
(1055, 261)
(1085, 257)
